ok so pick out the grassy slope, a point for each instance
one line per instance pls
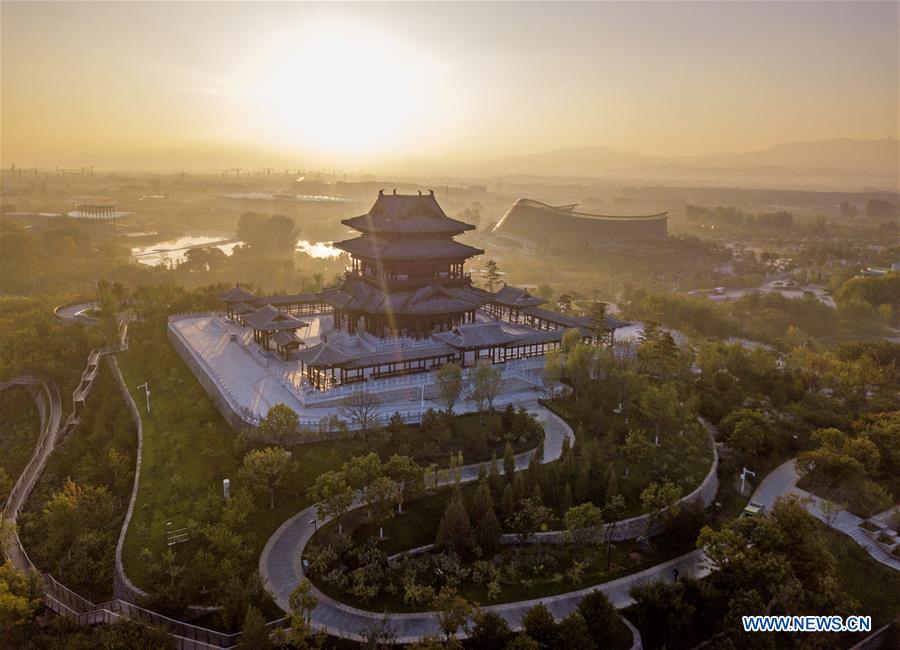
(869, 582)
(189, 449)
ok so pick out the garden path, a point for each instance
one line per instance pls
(783, 480)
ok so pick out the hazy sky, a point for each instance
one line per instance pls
(188, 84)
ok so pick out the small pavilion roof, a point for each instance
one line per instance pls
(323, 355)
(286, 337)
(291, 299)
(407, 213)
(515, 297)
(371, 247)
(401, 355)
(476, 336)
(564, 320)
(237, 294)
(272, 319)
(242, 308)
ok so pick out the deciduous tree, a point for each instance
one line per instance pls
(265, 469)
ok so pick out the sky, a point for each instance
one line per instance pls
(205, 84)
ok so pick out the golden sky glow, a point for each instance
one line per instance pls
(358, 85)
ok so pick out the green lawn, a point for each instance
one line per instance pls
(189, 449)
(873, 585)
(20, 428)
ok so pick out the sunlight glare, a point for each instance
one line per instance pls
(341, 89)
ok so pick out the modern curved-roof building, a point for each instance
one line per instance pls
(533, 224)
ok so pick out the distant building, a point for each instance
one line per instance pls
(535, 225)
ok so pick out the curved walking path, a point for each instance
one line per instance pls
(783, 480)
(281, 569)
(49, 405)
(78, 312)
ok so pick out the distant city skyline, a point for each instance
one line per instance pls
(169, 85)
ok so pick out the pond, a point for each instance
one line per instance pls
(173, 251)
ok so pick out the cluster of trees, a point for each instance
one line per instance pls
(776, 565)
(36, 343)
(844, 467)
(30, 258)
(871, 298)
(20, 428)
(379, 485)
(23, 626)
(72, 520)
(731, 217)
(594, 624)
(769, 318)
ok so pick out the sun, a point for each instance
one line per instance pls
(341, 89)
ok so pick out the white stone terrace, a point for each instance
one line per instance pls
(252, 380)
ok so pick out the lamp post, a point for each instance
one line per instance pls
(315, 523)
(146, 387)
(744, 473)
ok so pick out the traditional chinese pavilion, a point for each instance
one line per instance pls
(406, 305)
(406, 276)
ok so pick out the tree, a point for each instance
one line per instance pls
(455, 529)
(449, 383)
(538, 623)
(265, 468)
(749, 432)
(490, 632)
(279, 425)
(20, 599)
(584, 523)
(599, 325)
(528, 518)
(360, 471)
(302, 603)
(255, 634)
(613, 510)
(579, 364)
(509, 461)
(601, 618)
(486, 381)
(380, 494)
(453, 612)
(333, 496)
(482, 515)
(573, 633)
(657, 498)
(660, 406)
(408, 476)
(492, 274)
(552, 373)
(360, 408)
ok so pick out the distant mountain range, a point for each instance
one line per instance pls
(841, 159)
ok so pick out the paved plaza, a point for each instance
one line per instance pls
(253, 379)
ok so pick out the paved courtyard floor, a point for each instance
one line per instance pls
(256, 380)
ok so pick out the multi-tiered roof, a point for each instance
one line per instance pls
(407, 274)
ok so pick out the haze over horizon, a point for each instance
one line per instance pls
(438, 87)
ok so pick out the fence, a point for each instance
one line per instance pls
(69, 604)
